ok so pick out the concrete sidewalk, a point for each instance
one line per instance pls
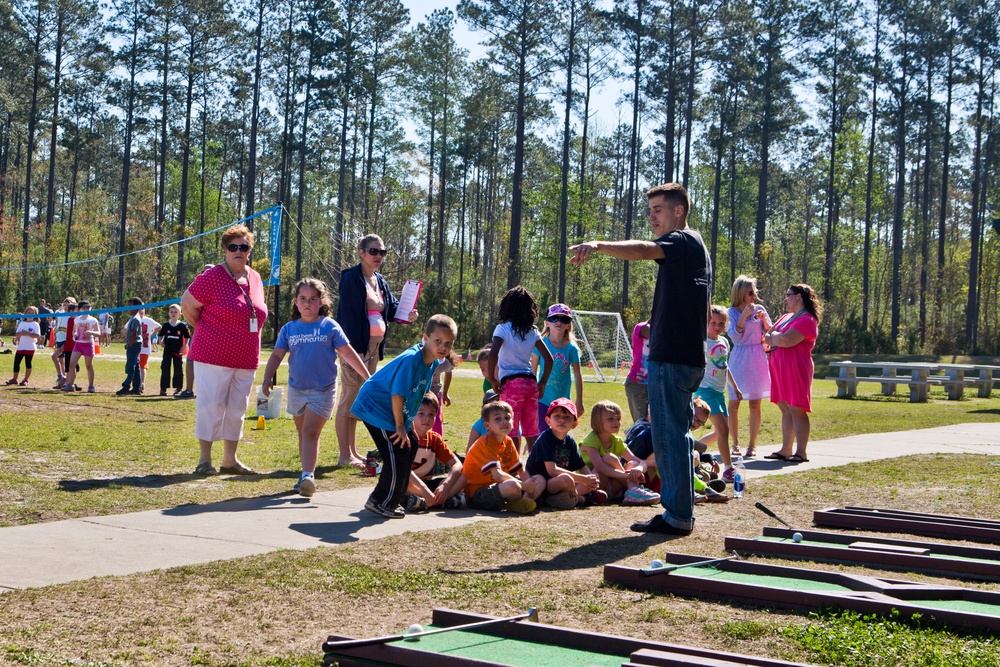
(63, 551)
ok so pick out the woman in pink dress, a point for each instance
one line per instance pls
(748, 322)
(792, 339)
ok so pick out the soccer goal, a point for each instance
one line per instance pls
(605, 348)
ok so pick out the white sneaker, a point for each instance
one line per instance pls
(640, 495)
(306, 486)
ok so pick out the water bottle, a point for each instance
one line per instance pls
(739, 477)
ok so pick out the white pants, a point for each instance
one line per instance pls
(221, 405)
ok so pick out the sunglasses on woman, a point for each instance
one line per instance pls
(377, 252)
(242, 247)
(561, 319)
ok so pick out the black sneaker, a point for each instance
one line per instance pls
(184, 394)
(658, 525)
(718, 485)
(415, 503)
(375, 508)
(123, 392)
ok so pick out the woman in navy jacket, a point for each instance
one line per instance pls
(365, 308)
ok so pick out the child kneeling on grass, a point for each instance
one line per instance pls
(555, 458)
(387, 404)
(493, 469)
(620, 472)
(425, 490)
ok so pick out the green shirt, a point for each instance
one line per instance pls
(617, 447)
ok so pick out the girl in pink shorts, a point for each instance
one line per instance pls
(85, 329)
(514, 340)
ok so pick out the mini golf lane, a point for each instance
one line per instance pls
(525, 644)
(761, 585)
(889, 520)
(892, 554)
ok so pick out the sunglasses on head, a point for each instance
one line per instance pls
(376, 252)
(561, 319)
(242, 247)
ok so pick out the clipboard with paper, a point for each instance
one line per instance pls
(407, 300)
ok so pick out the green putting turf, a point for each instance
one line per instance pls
(789, 583)
(960, 605)
(513, 652)
(833, 545)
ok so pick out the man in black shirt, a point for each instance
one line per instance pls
(677, 328)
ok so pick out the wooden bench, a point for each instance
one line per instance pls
(917, 380)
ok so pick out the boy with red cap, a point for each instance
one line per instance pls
(556, 457)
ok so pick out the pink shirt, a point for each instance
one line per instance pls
(640, 355)
(224, 337)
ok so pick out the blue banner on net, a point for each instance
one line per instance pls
(275, 277)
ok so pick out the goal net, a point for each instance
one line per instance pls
(605, 348)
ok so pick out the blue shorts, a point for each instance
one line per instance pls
(716, 400)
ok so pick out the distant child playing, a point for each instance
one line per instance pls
(636, 389)
(133, 343)
(556, 458)
(387, 404)
(26, 337)
(713, 387)
(558, 337)
(496, 478)
(62, 321)
(510, 372)
(86, 329)
(425, 489)
(175, 336)
(621, 472)
(313, 339)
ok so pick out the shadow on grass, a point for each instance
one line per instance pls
(585, 556)
(157, 481)
(987, 411)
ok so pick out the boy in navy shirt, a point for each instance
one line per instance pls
(555, 456)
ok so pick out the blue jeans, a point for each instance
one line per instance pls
(671, 413)
(133, 381)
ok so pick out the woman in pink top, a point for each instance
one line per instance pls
(792, 339)
(226, 304)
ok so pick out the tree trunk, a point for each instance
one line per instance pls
(689, 106)
(943, 207)
(972, 304)
(428, 251)
(866, 270)
(897, 217)
(302, 158)
(255, 114)
(32, 124)
(564, 191)
(633, 151)
(514, 250)
(185, 166)
(50, 208)
(127, 159)
(442, 191)
(831, 193)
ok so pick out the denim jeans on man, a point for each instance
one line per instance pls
(671, 413)
(133, 381)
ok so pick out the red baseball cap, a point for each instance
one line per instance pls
(565, 403)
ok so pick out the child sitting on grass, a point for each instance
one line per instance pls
(425, 490)
(620, 472)
(641, 443)
(556, 459)
(493, 469)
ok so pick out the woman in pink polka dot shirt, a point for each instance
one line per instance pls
(226, 304)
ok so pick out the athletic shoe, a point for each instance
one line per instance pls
(136, 392)
(640, 495)
(375, 508)
(163, 392)
(77, 387)
(564, 500)
(717, 485)
(658, 525)
(11, 381)
(67, 387)
(728, 475)
(595, 498)
(713, 496)
(521, 505)
(123, 392)
(91, 390)
(700, 498)
(415, 503)
(306, 486)
(59, 382)
(24, 383)
(456, 502)
(185, 394)
(398, 513)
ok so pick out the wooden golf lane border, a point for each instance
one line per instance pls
(945, 559)
(900, 521)
(633, 652)
(863, 593)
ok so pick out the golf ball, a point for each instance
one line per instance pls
(797, 537)
(656, 564)
(412, 630)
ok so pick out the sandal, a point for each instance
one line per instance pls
(206, 469)
(796, 458)
(735, 450)
(238, 469)
(751, 452)
(776, 456)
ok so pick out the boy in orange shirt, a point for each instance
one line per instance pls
(425, 490)
(493, 469)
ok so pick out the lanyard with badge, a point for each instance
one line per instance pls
(253, 309)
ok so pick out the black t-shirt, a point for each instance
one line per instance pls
(679, 317)
(564, 453)
(172, 336)
(43, 321)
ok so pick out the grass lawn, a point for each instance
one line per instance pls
(83, 455)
